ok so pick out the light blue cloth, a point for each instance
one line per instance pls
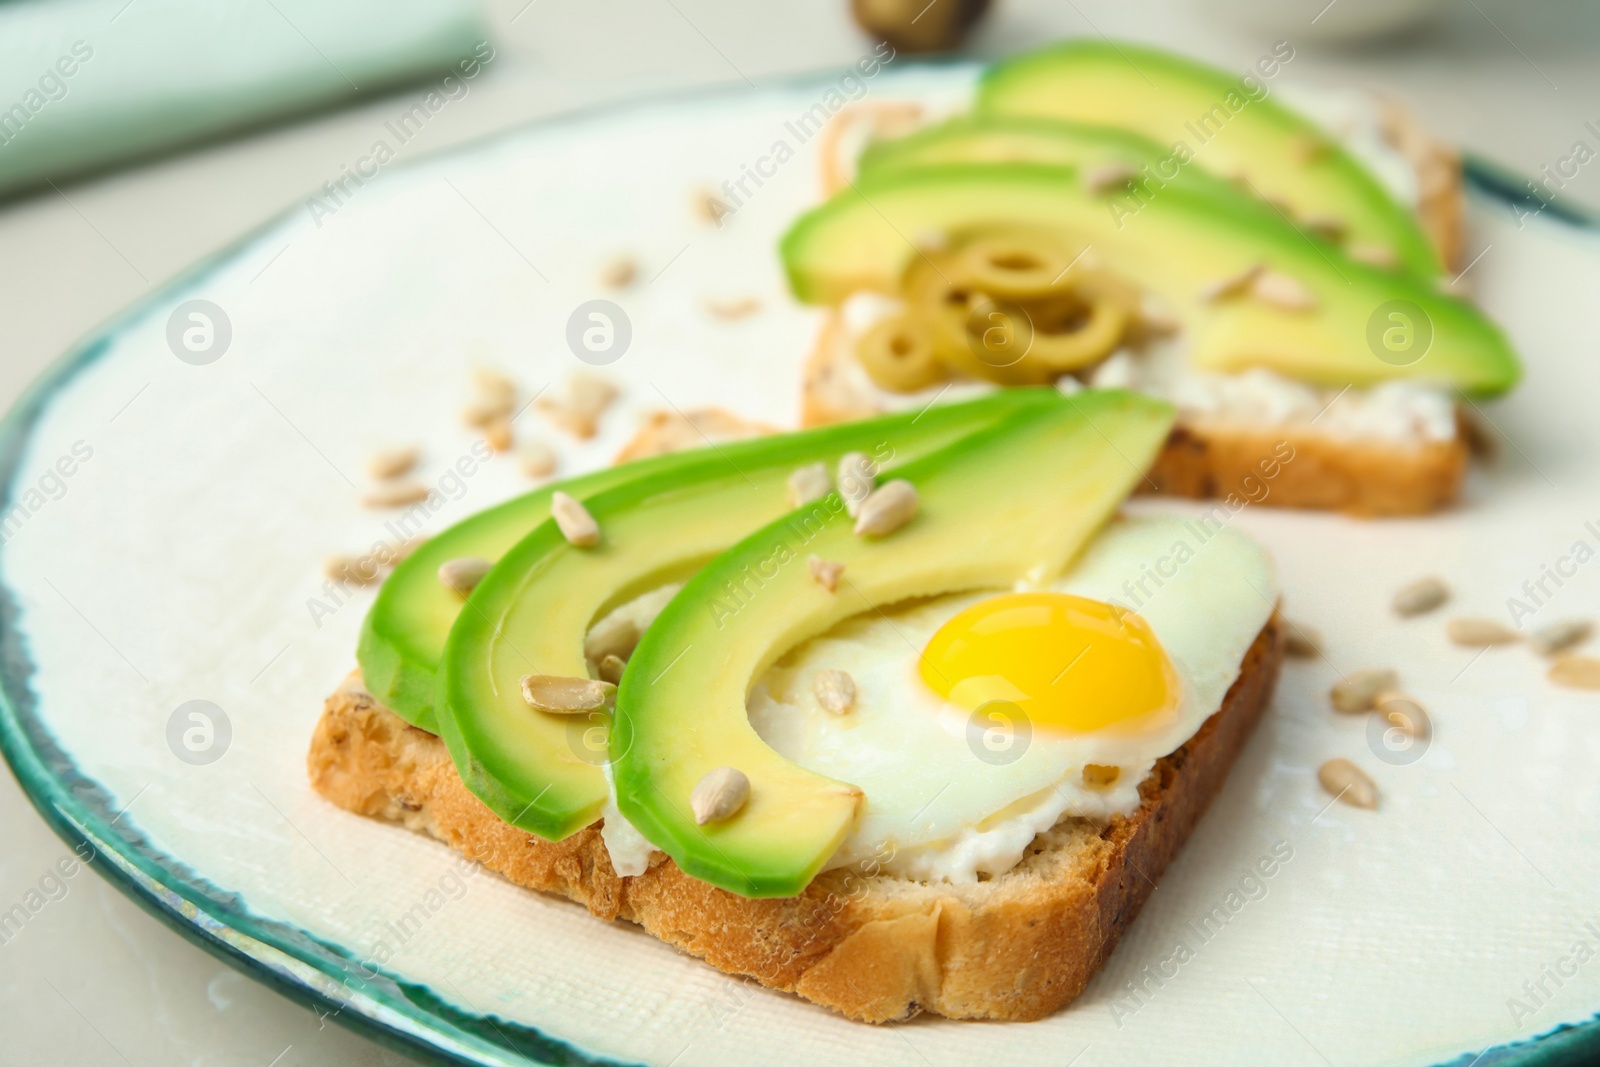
(84, 83)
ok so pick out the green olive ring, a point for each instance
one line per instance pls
(1012, 266)
(897, 354)
(1087, 342)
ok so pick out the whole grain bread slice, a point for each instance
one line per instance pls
(875, 947)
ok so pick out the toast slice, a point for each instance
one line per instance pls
(874, 947)
(1367, 475)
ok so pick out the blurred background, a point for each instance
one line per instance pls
(191, 123)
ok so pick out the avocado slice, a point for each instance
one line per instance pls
(998, 139)
(1222, 124)
(1014, 502)
(403, 636)
(1177, 245)
(541, 772)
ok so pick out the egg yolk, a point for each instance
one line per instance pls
(1069, 663)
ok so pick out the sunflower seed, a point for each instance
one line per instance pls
(1560, 636)
(1282, 291)
(1358, 690)
(1348, 783)
(1374, 255)
(538, 459)
(619, 273)
(1421, 597)
(395, 495)
(835, 691)
(1301, 641)
(1100, 776)
(825, 572)
(591, 393)
(1479, 633)
(566, 696)
(574, 521)
(856, 474)
(737, 308)
(1105, 177)
(356, 570)
(480, 411)
(890, 507)
(1234, 285)
(463, 575)
(719, 795)
(611, 669)
(393, 462)
(808, 484)
(1403, 713)
(1576, 672)
(708, 207)
(1309, 148)
(1328, 227)
(494, 386)
(497, 435)
(615, 635)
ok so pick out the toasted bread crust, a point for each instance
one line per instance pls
(876, 948)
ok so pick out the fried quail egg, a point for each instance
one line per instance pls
(982, 719)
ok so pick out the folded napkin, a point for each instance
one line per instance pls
(85, 83)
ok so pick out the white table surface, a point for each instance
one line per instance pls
(92, 979)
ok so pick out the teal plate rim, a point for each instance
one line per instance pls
(322, 976)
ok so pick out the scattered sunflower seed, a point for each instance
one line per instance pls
(574, 521)
(1328, 227)
(566, 696)
(1576, 672)
(619, 273)
(1100, 776)
(709, 207)
(1479, 633)
(1348, 783)
(1301, 641)
(1234, 285)
(493, 385)
(1403, 712)
(825, 572)
(393, 462)
(538, 459)
(739, 308)
(890, 507)
(1308, 148)
(1374, 255)
(463, 575)
(1102, 179)
(497, 435)
(1282, 291)
(835, 691)
(1358, 691)
(480, 411)
(808, 484)
(1421, 597)
(1560, 636)
(611, 669)
(856, 474)
(719, 795)
(397, 494)
(357, 570)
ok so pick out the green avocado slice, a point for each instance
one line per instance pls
(1225, 125)
(1177, 245)
(1014, 502)
(542, 772)
(1000, 139)
(403, 636)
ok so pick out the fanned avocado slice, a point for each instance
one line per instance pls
(1180, 244)
(1001, 139)
(403, 635)
(1015, 502)
(542, 772)
(1222, 124)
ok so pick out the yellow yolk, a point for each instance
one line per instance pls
(1069, 663)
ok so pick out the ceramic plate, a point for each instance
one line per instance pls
(170, 500)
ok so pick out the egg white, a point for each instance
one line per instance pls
(935, 809)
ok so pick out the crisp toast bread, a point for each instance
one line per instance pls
(875, 948)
